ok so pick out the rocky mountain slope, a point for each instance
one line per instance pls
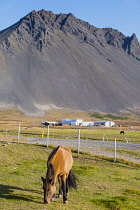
(58, 61)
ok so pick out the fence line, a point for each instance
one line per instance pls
(71, 133)
(72, 138)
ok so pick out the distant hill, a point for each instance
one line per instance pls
(58, 61)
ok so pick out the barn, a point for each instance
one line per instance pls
(104, 123)
(72, 122)
(86, 124)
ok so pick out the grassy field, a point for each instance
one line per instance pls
(102, 184)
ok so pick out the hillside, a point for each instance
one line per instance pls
(58, 61)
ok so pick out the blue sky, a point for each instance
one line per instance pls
(123, 15)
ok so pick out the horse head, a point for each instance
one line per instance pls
(49, 186)
(49, 189)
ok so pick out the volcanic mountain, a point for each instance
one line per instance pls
(58, 61)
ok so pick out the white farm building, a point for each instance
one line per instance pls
(104, 123)
(72, 122)
(50, 123)
(86, 124)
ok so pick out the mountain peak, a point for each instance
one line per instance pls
(134, 36)
(52, 60)
(44, 22)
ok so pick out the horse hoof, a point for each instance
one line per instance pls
(60, 196)
(65, 202)
(46, 202)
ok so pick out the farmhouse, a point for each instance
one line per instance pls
(86, 124)
(72, 122)
(104, 123)
(79, 122)
(50, 123)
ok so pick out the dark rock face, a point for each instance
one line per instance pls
(58, 61)
(132, 46)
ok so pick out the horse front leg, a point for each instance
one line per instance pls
(60, 187)
(53, 197)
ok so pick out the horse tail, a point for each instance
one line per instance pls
(72, 180)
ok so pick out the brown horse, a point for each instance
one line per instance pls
(59, 165)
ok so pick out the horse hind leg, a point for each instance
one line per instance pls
(64, 188)
(67, 193)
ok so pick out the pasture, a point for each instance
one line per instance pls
(31, 126)
(102, 184)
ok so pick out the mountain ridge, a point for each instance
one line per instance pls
(64, 22)
(64, 55)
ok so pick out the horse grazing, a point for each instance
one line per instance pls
(121, 132)
(59, 165)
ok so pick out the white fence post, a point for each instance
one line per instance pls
(78, 147)
(103, 136)
(19, 132)
(115, 150)
(48, 136)
(126, 140)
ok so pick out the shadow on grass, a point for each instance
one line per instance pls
(7, 192)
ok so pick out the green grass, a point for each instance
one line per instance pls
(115, 117)
(97, 115)
(108, 116)
(102, 184)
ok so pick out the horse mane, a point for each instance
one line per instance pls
(51, 155)
(50, 173)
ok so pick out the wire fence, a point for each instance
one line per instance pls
(81, 138)
(21, 133)
(89, 133)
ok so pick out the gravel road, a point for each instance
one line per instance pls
(95, 147)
